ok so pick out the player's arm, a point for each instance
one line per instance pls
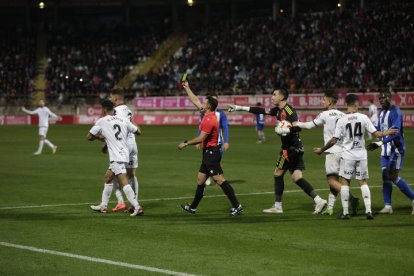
(327, 146)
(94, 133)
(224, 124)
(53, 115)
(193, 98)
(199, 139)
(29, 111)
(391, 134)
(310, 124)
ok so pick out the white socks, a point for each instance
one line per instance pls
(331, 201)
(366, 194)
(131, 195)
(345, 199)
(41, 142)
(278, 204)
(47, 142)
(106, 194)
(317, 199)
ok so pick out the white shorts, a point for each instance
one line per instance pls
(117, 167)
(357, 168)
(332, 163)
(43, 131)
(133, 156)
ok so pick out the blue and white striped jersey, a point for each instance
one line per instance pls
(392, 117)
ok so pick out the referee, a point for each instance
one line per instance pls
(210, 164)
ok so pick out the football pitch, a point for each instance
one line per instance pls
(47, 227)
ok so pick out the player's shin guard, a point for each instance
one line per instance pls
(345, 199)
(130, 195)
(198, 196)
(279, 188)
(366, 195)
(106, 194)
(402, 184)
(306, 187)
(386, 187)
(228, 190)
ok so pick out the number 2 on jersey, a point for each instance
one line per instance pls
(118, 131)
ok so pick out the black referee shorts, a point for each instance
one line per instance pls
(291, 159)
(210, 164)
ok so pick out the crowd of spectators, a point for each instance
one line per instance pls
(353, 48)
(17, 64)
(90, 61)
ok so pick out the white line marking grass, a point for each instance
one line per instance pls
(161, 199)
(94, 260)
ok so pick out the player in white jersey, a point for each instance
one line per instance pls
(350, 129)
(328, 119)
(115, 130)
(121, 109)
(373, 115)
(43, 112)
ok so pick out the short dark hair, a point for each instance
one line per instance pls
(284, 92)
(118, 91)
(351, 99)
(213, 102)
(332, 95)
(259, 104)
(107, 105)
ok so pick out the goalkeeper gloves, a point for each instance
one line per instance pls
(282, 131)
(374, 145)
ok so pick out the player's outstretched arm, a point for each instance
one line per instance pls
(378, 134)
(234, 108)
(28, 111)
(193, 98)
(199, 139)
(90, 137)
(326, 147)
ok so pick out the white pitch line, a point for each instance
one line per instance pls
(94, 260)
(158, 199)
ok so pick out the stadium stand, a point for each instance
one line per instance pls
(357, 49)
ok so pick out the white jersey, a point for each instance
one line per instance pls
(43, 113)
(115, 129)
(373, 110)
(328, 119)
(351, 130)
(124, 112)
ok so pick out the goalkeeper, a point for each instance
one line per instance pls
(291, 155)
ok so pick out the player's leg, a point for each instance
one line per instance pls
(48, 143)
(296, 165)
(132, 166)
(346, 172)
(120, 172)
(395, 167)
(42, 137)
(279, 184)
(120, 199)
(106, 193)
(199, 192)
(386, 185)
(332, 167)
(228, 190)
(361, 175)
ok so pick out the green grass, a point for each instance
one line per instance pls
(207, 243)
